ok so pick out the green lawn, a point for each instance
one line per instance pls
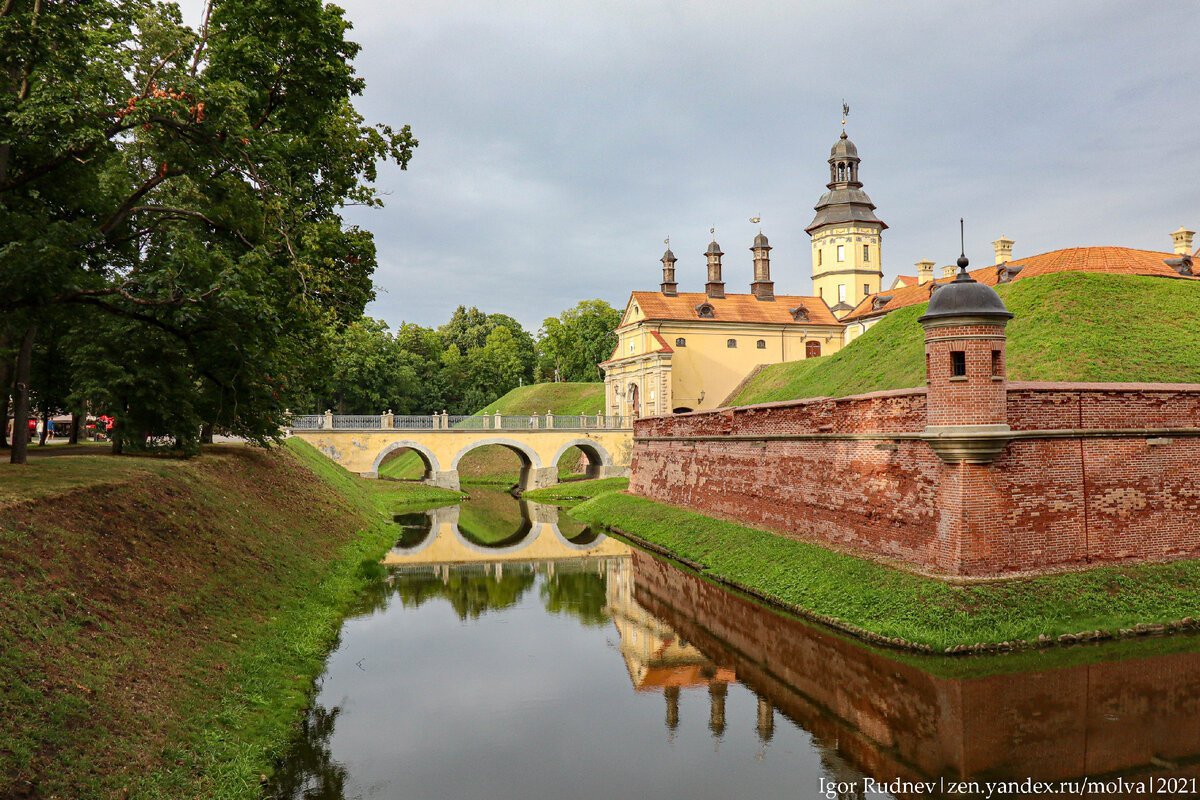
(558, 398)
(867, 596)
(1067, 327)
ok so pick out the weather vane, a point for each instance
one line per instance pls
(713, 232)
(845, 113)
(756, 219)
(667, 241)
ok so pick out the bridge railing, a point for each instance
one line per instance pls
(455, 422)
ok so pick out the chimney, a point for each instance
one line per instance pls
(925, 271)
(949, 270)
(669, 287)
(1183, 241)
(715, 288)
(1003, 247)
(763, 287)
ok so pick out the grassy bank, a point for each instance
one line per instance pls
(160, 629)
(497, 465)
(876, 601)
(1065, 329)
(573, 493)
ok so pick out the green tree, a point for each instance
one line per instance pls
(573, 343)
(188, 182)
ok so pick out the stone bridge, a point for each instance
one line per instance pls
(360, 443)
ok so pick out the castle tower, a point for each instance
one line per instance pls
(846, 235)
(715, 287)
(967, 396)
(669, 286)
(763, 287)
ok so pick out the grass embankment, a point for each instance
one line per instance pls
(1067, 327)
(879, 602)
(567, 495)
(495, 464)
(161, 622)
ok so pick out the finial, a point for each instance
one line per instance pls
(667, 241)
(713, 232)
(845, 113)
(756, 220)
(962, 258)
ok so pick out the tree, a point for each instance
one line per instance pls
(189, 183)
(573, 343)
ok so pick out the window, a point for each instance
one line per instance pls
(820, 253)
(997, 366)
(841, 252)
(631, 346)
(866, 289)
(731, 342)
(705, 311)
(812, 349)
(821, 292)
(841, 292)
(761, 344)
(799, 313)
(681, 342)
(867, 253)
(958, 364)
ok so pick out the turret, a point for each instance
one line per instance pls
(763, 287)
(965, 370)
(669, 286)
(715, 287)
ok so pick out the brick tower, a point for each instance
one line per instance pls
(964, 370)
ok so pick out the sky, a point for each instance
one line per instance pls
(561, 142)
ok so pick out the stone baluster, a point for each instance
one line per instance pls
(549, 419)
(328, 422)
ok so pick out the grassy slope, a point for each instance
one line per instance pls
(891, 603)
(159, 633)
(575, 492)
(495, 464)
(1068, 327)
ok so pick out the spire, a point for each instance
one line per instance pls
(845, 201)
(715, 288)
(669, 287)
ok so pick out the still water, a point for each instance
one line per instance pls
(508, 652)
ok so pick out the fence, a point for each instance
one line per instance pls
(449, 422)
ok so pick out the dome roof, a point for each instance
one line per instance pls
(843, 148)
(965, 297)
(759, 241)
(714, 249)
(669, 256)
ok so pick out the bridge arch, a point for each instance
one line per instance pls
(432, 467)
(597, 456)
(529, 457)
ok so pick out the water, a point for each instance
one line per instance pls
(511, 653)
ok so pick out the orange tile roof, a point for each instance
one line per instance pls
(664, 347)
(1112, 260)
(734, 308)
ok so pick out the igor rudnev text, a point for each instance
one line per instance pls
(1082, 787)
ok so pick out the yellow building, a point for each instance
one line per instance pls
(687, 351)
(679, 352)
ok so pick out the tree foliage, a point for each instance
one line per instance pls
(179, 190)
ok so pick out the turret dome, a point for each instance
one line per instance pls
(965, 297)
(843, 148)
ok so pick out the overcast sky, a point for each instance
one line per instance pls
(561, 142)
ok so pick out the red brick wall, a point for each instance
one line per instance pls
(974, 399)
(1043, 504)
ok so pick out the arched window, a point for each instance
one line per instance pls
(731, 342)
(705, 311)
(761, 344)
(681, 342)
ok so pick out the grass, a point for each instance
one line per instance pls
(495, 464)
(573, 493)
(1067, 327)
(43, 477)
(159, 636)
(865, 595)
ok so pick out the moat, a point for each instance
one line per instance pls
(506, 651)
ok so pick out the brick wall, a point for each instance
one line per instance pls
(1045, 503)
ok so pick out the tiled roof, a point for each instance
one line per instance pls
(734, 308)
(663, 346)
(1112, 260)
(660, 347)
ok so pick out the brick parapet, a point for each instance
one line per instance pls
(1066, 500)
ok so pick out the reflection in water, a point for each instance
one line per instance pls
(517, 693)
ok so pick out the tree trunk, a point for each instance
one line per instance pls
(6, 378)
(20, 442)
(74, 428)
(206, 433)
